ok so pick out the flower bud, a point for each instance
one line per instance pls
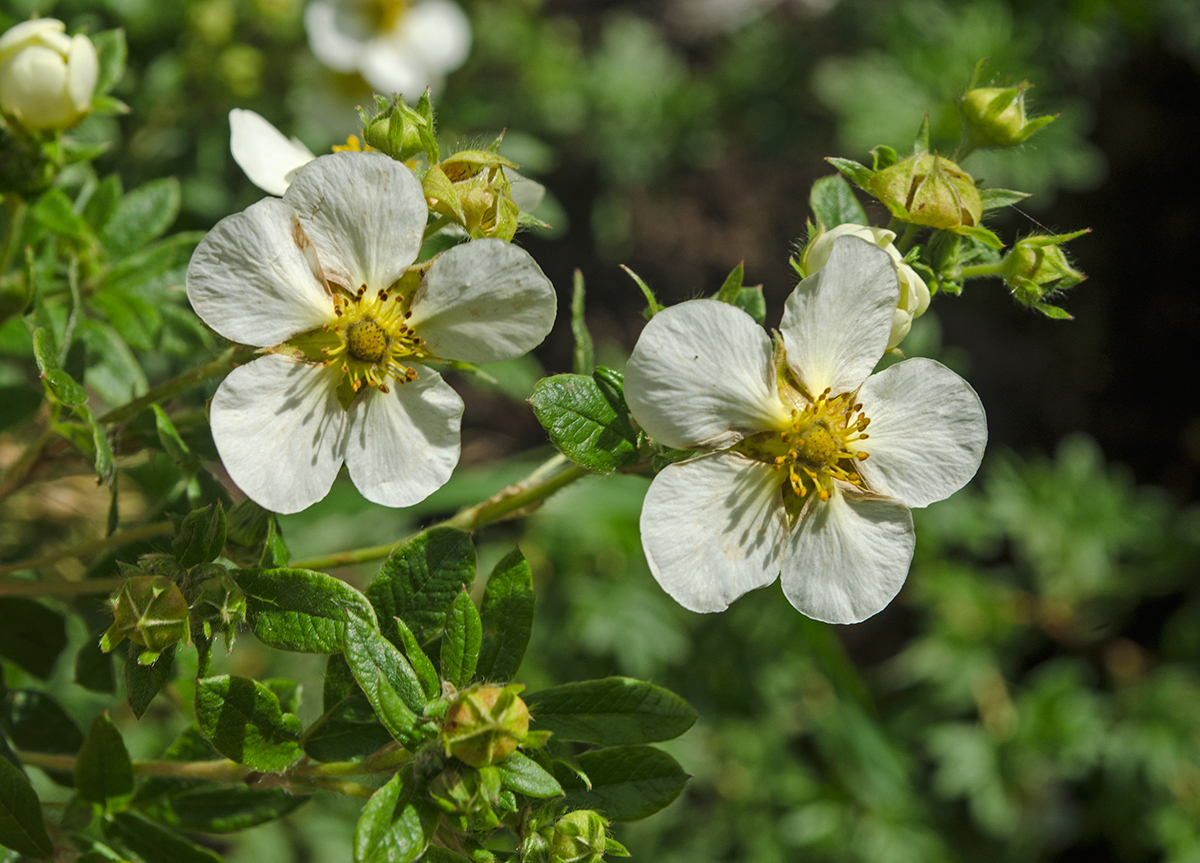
(472, 188)
(220, 604)
(914, 293)
(47, 78)
(151, 612)
(929, 190)
(577, 837)
(995, 117)
(1036, 266)
(484, 724)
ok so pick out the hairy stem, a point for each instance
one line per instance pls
(38, 588)
(223, 363)
(978, 271)
(906, 238)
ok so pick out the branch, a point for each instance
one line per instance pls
(226, 361)
(26, 588)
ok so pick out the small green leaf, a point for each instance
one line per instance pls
(112, 52)
(858, 174)
(653, 306)
(243, 721)
(173, 444)
(996, 198)
(628, 782)
(507, 617)
(201, 536)
(377, 665)
(833, 203)
(421, 664)
(615, 710)
(420, 581)
(1054, 312)
(141, 216)
(21, 825)
(143, 682)
(31, 635)
(213, 808)
(883, 157)
(585, 354)
(732, 286)
(154, 844)
(156, 260)
(520, 773)
(461, 641)
(751, 301)
(103, 772)
(99, 207)
(65, 388)
(55, 212)
(983, 235)
(299, 609)
(134, 319)
(588, 426)
(394, 827)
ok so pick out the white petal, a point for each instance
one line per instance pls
(335, 48)
(817, 254)
(483, 302)
(701, 375)
(837, 321)
(268, 158)
(278, 427)
(848, 557)
(83, 71)
(403, 445)
(17, 37)
(713, 529)
(365, 214)
(33, 86)
(392, 66)
(927, 433)
(527, 194)
(440, 33)
(250, 281)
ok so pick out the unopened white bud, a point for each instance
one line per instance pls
(47, 78)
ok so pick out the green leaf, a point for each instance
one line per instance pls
(31, 635)
(421, 664)
(34, 722)
(300, 610)
(653, 306)
(112, 369)
(587, 425)
(201, 536)
(585, 354)
(732, 286)
(349, 730)
(142, 268)
(386, 678)
(628, 782)
(983, 235)
(883, 157)
(214, 808)
(420, 581)
(996, 198)
(243, 721)
(1054, 312)
(520, 773)
(134, 319)
(858, 174)
(103, 201)
(175, 446)
(751, 301)
(461, 641)
(55, 212)
(615, 710)
(155, 844)
(394, 827)
(112, 52)
(141, 216)
(507, 617)
(103, 772)
(833, 203)
(143, 682)
(21, 826)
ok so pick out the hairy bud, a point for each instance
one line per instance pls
(151, 612)
(484, 724)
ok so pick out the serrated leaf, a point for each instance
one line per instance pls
(507, 618)
(393, 826)
(628, 782)
(153, 843)
(214, 808)
(420, 581)
(143, 682)
(586, 426)
(461, 640)
(99, 207)
(299, 609)
(21, 825)
(55, 212)
(141, 216)
(858, 174)
(584, 358)
(243, 721)
(995, 198)
(103, 772)
(382, 673)
(833, 203)
(112, 52)
(31, 635)
(520, 773)
(615, 710)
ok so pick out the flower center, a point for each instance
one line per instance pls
(366, 340)
(384, 14)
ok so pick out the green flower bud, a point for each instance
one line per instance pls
(1036, 266)
(995, 116)
(472, 188)
(220, 604)
(578, 837)
(485, 724)
(926, 189)
(151, 612)
(395, 132)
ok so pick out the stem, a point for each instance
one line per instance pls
(20, 469)
(539, 485)
(977, 271)
(906, 238)
(16, 208)
(28, 588)
(226, 361)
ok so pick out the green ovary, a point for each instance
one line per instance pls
(366, 340)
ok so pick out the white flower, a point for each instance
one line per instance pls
(397, 47)
(794, 483)
(269, 159)
(914, 293)
(46, 77)
(321, 279)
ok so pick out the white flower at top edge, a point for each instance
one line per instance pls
(322, 280)
(47, 78)
(914, 293)
(398, 47)
(814, 462)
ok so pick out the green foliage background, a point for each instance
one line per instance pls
(1034, 693)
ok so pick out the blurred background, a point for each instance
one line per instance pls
(1034, 692)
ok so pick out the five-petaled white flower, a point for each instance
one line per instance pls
(795, 483)
(397, 46)
(322, 280)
